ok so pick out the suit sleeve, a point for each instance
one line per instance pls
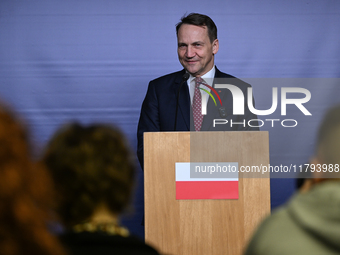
(148, 120)
(248, 115)
(249, 118)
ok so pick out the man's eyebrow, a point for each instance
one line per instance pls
(198, 42)
(182, 44)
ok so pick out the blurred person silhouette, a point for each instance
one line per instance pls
(94, 174)
(25, 194)
(304, 179)
(310, 222)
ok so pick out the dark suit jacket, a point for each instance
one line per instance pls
(159, 108)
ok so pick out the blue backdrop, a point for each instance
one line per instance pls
(91, 61)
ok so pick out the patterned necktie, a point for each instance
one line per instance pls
(197, 105)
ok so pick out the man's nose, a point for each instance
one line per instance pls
(190, 53)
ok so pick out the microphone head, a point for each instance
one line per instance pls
(185, 77)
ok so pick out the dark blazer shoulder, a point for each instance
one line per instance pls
(219, 74)
(233, 80)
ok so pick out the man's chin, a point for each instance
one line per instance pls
(192, 71)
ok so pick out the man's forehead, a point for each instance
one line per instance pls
(197, 30)
(193, 27)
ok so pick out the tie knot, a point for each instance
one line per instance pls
(199, 81)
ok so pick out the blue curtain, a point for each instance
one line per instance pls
(91, 61)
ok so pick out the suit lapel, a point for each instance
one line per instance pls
(183, 101)
(212, 110)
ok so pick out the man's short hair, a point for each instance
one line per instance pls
(201, 21)
(328, 141)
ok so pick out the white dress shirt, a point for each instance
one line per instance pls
(208, 78)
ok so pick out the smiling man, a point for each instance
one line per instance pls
(196, 49)
(175, 102)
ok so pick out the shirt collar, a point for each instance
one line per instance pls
(208, 77)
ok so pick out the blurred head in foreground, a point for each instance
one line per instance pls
(25, 194)
(310, 222)
(93, 171)
(327, 156)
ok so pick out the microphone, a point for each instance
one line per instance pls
(184, 79)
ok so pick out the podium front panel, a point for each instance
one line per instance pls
(206, 226)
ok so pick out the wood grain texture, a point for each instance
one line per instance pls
(203, 226)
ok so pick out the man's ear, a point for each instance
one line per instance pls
(215, 46)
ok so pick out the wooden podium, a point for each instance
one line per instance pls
(207, 227)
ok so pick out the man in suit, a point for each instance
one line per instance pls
(173, 102)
